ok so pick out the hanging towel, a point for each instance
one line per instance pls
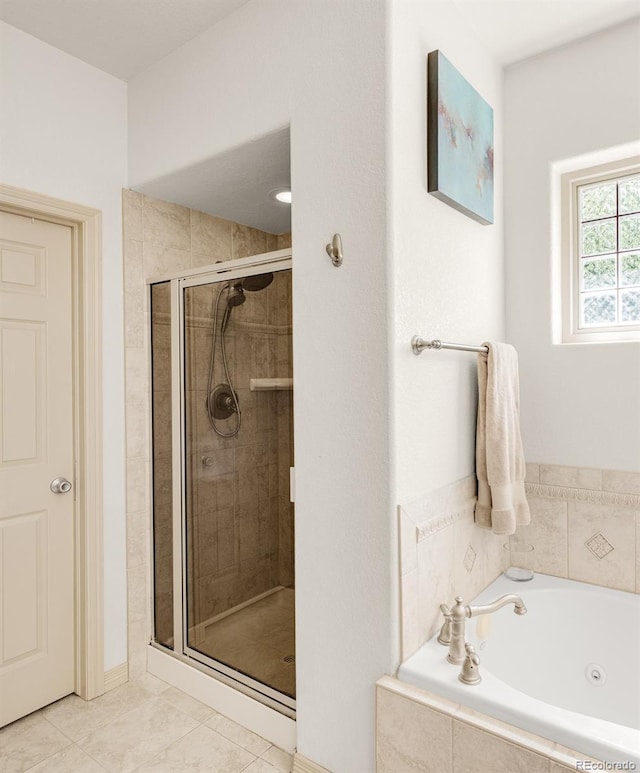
(500, 468)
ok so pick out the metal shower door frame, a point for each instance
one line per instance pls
(227, 271)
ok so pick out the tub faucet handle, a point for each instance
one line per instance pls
(469, 673)
(444, 637)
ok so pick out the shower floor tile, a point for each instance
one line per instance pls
(258, 640)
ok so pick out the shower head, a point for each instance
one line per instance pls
(257, 282)
(236, 295)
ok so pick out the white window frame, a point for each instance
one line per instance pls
(570, 182)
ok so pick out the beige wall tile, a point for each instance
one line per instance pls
(136, 485)
(622, 482)
(166, 224)
(132, 214)
(547, 533)
(137, 441)
(411, 737)
(283, 241)
(495, 555)
(637, 552)
(135, 333)
(158, 259)
(248, 241)
(554, 767)
(602, 545)
(533, 472)
(436, 583)
(136, 374)
(137, 593)
(473, 748)
(410, 605)
(408, 543)
(139, 636)
(574, 477)
(468, 557)
(138, 545)
(210, 238)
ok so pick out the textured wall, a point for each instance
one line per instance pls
(580, 402)
(63, 125)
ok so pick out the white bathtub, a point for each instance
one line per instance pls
(568, 670)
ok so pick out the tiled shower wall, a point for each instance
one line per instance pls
(585, 525)
(159, 238)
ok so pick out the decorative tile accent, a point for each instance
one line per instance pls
(586, 522)
(440, 522)
(469, 559)
(599, 545)
(583, 495)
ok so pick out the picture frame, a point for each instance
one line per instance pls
(460, 147)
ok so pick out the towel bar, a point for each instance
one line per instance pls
(419, 345)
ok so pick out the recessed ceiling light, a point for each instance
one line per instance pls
(283, 195)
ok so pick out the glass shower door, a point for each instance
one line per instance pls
(238, 520)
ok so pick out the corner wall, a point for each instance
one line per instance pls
(447, 268)
(63, 127)
(580, 403)
(320, 67)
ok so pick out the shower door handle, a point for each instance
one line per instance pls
(60, 486)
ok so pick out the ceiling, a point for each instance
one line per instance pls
(235, 184)
(121, 37)
(518, 29)
(124, 37)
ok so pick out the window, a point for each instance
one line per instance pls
(601, 254)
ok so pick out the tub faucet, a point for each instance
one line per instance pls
(452, 632)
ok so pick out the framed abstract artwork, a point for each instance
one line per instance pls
(459, 141)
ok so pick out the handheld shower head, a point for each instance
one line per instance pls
(236, 295)
(255, 283)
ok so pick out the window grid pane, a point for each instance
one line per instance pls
(609, 253)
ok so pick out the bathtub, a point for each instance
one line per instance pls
(568, 670)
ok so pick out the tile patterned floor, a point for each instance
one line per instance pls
(144, 726)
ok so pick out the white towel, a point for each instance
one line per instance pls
(500, 468)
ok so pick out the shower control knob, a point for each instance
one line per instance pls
(60, 486)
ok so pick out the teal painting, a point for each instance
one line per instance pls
(459, 141)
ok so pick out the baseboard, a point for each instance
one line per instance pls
(303, 765)
(116, 676)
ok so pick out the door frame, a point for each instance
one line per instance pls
(86, 248)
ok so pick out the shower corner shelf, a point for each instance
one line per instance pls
(270, 384)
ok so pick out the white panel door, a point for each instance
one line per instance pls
(37, 639)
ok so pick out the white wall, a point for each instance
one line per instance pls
(447, 269)
(580, 402)
(320, 66)
(63, 134)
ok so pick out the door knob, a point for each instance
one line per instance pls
(60, 486)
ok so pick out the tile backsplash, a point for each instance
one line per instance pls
(585, 525)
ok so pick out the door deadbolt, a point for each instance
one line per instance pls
(60, 486)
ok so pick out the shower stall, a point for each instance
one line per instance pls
(222, 438)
